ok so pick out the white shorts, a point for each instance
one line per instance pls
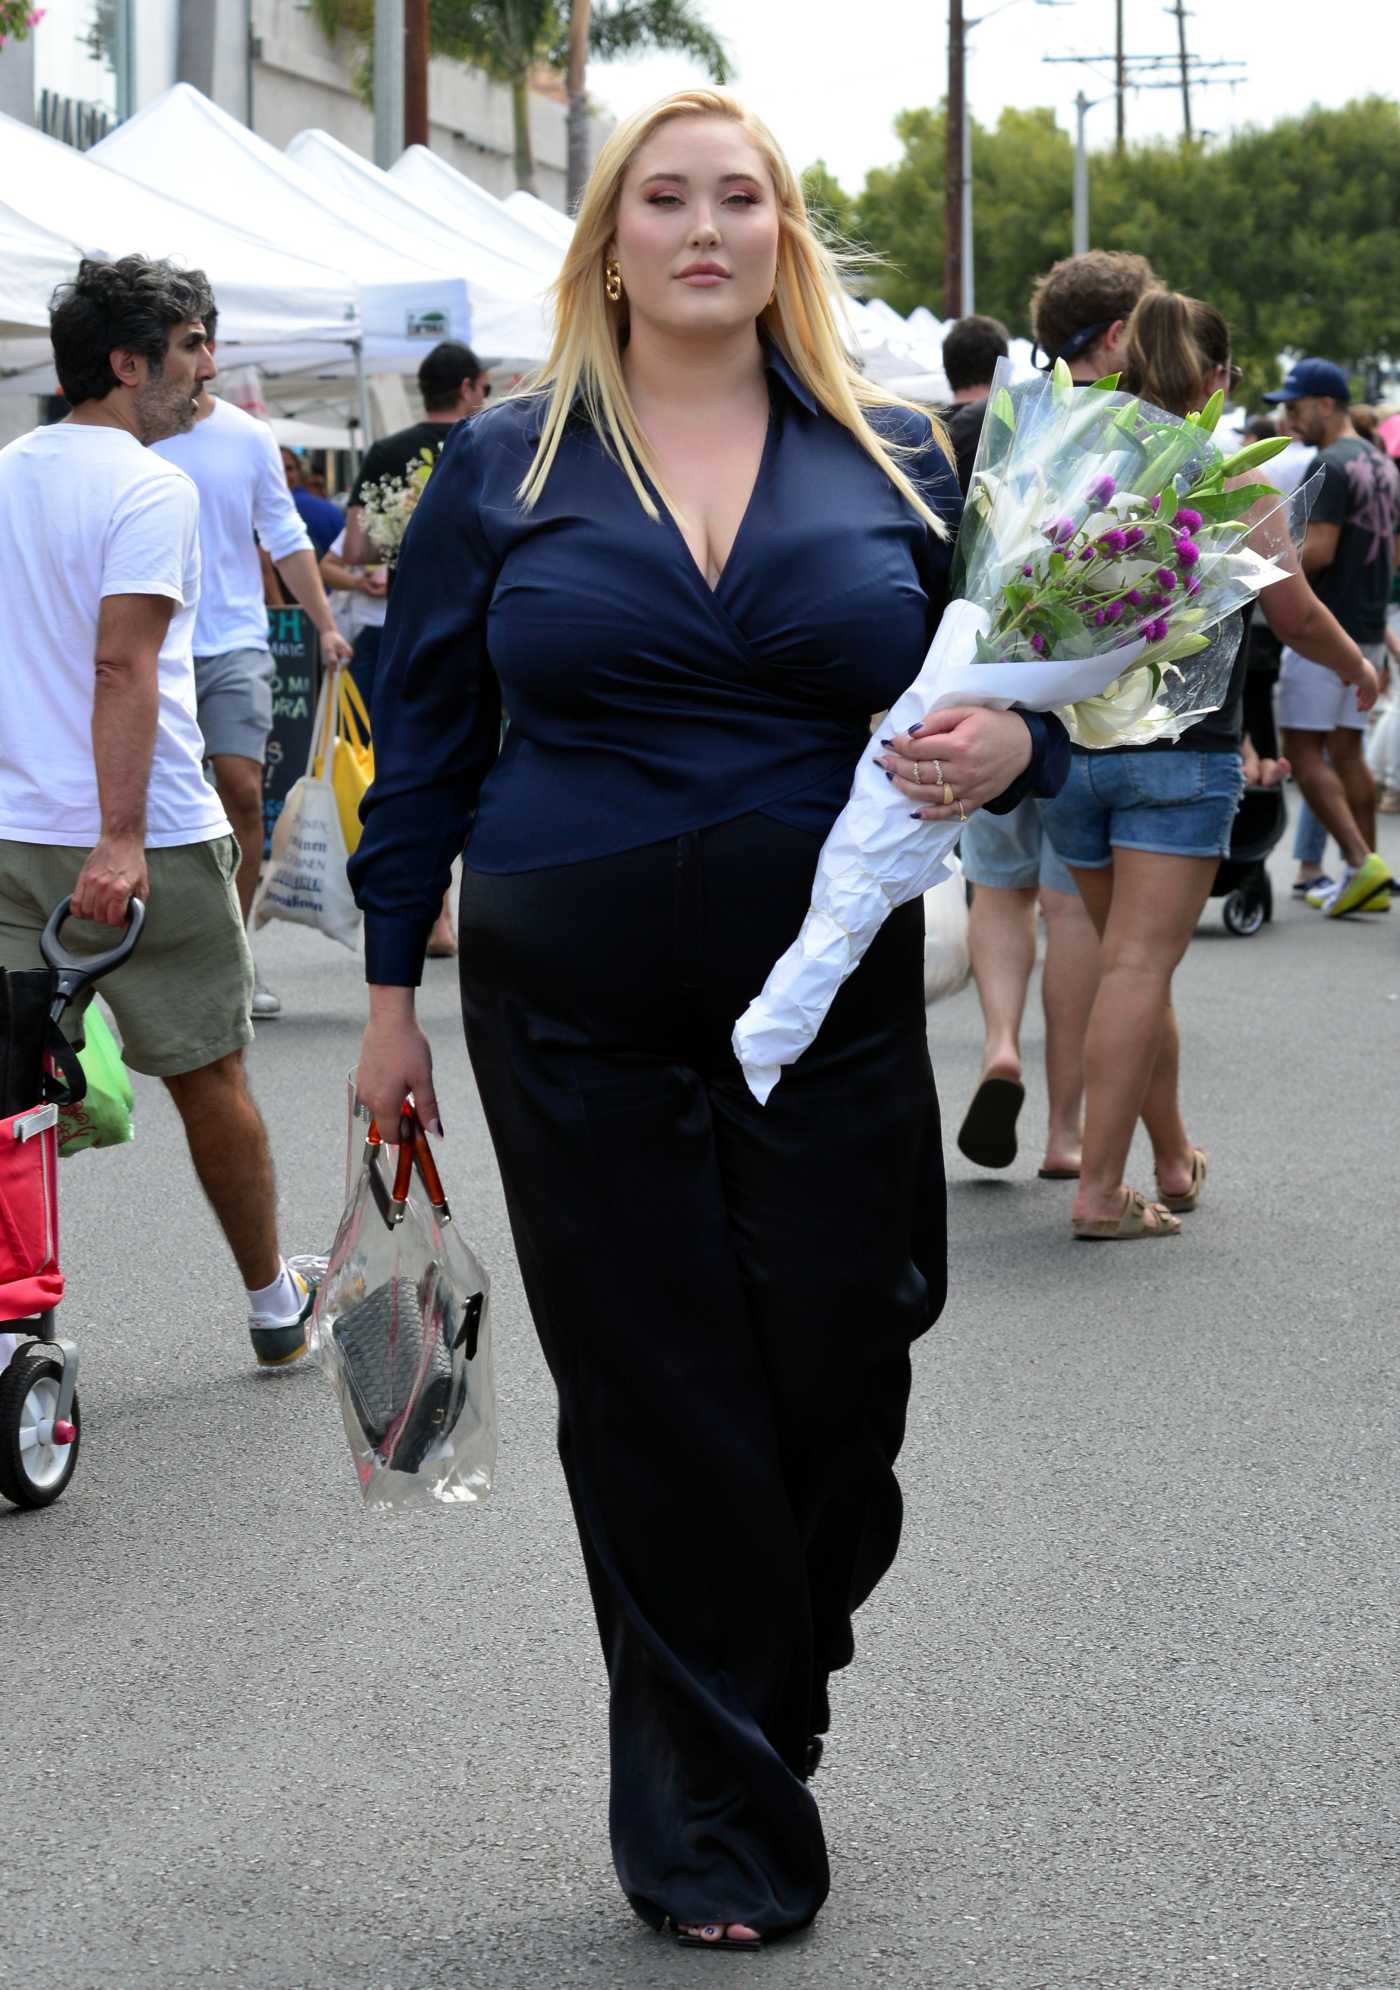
(1311, 699)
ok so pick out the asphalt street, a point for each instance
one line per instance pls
(1125, 1717)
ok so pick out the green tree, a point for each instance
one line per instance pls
(830, 206)
(510, 39)
(1292, 231)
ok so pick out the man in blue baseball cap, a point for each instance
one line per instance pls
(1349, 556)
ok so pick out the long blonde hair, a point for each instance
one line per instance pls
(585, 359)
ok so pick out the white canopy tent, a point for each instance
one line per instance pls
(548, 222)
(32, 263)
(405, 301)
(268, 299)
(505, 273)
(460, 203)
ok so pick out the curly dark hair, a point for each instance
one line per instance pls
(1094, 289)
(133, 304)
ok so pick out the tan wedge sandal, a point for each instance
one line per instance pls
(1182, 1205)
(1138, 1220)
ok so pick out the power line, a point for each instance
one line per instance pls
(1148, 72)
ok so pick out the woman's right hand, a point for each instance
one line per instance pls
(395, 1059)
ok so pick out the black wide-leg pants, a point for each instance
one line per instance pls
(726, 1295)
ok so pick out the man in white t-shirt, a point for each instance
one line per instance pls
(244, 502)
(102, 791)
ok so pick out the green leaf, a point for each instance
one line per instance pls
(1062, 381)
(1256, 453)
(1058, 563)
(1170, 502)
(1107, 385)
(1004, 408)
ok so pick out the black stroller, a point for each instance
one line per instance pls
(1242, 879)
(40, 1422)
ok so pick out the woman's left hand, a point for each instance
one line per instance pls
(958, 759)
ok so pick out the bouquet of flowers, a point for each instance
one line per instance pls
(390, 502)
(1101, 542)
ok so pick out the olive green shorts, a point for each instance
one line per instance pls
(183, 1000)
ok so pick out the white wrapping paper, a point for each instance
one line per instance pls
(876, 856)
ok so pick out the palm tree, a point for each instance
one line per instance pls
(511, 39)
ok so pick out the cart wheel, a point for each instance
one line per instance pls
(34, 1469)
(1243, 913)
(1266, 888)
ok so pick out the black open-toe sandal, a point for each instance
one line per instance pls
(698, 1939)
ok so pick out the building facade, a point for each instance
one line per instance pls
(90, 63)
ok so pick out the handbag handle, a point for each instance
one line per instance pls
(413, 1152)
(354, 717)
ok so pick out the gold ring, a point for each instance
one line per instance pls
(938, 772)
(962, 813)
(948, 796)
(918, 772)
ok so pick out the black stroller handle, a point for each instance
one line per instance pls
(74, 972)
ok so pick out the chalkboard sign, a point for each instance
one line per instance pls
(296, 657)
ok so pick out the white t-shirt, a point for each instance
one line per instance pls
(361, 611)
(84, 513)
(237, 470)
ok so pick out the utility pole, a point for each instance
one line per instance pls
(1120, 78)
(954, 191)
(415, 73)
(388, 81)
(1180, 11)
(1082, 105)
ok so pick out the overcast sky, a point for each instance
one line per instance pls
(830, 75)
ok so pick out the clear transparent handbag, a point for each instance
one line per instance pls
(402, 1328)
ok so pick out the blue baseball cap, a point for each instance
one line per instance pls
(1313, 376)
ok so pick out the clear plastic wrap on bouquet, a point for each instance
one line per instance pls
(1103, 545)
(402, 1328)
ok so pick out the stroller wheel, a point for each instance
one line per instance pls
(1244, 913)
(35, 1465)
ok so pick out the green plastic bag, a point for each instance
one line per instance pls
(104, 1117)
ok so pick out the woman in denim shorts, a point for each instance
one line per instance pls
(1142, 830)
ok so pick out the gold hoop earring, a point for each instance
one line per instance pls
(612, 281)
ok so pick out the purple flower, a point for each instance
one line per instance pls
(1190, 521)
(1187, 553)
(1135, 536)
(1100, 617)
(1156, 632)
(1193, 585)
(1087, 553)
(1058, 530)
(1038, 643)
(1114, 542)
(1113, 612)
(1156, 601)
(1165, 579)
(1101, 490)
(1134, 598)
(1155, 506)
(1028, 570)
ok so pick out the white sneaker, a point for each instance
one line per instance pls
(265, 1003)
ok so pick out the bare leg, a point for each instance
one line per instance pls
(1344, 750)
(1326, 796)
(240, 785)
(1068, 984)
(1147, 914)
(1001, 941)
(1172, 1150)
(228, 1145)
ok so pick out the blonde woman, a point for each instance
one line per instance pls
(691, 561)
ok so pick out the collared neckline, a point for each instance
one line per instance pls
(775, 362)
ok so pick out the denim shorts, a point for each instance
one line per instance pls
(1012, 852)
(1179, 804)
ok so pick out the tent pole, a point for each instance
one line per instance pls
(362, 388)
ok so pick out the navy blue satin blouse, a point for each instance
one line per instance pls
(642, 702)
